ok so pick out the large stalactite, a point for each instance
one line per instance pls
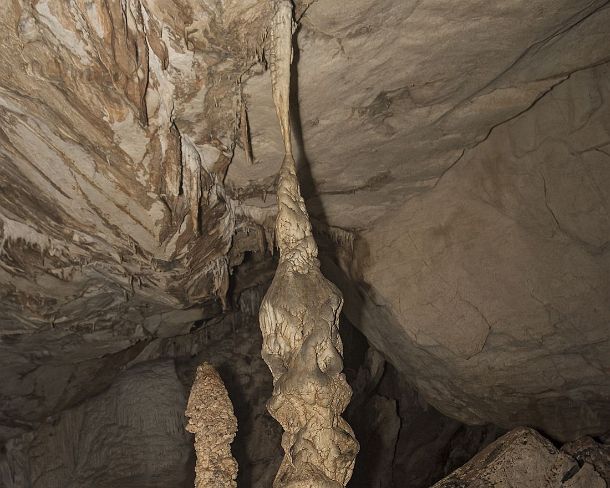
(299, 320)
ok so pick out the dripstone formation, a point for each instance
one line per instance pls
(299, 321)
(211, 419)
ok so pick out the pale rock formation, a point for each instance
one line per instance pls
(526, 459)
(211, 419)
(299, 321)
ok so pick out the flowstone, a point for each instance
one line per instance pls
(213, 422)
(299, 321)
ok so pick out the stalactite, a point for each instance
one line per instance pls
(299, 321)
(213, 422)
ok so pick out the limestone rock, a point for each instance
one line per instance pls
(523, 458)
(130, 436)
(596, 454)
(299, 319)
(211, 419)
(462, 145)
(493, 288)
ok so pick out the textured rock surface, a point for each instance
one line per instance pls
(403, 440)
(587, 450)
(114, 227)
(426, 447)
(211, 419)
(391, 92)
(497, 306)
(117, 224)
(299, 319)
(523, 458)
(130, 436)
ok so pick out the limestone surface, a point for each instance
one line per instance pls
(493, 287)
(299, 321)
(130, 436)
(523, 458)
(213, 422)
(461, 146)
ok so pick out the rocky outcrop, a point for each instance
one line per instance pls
(211, 419)
(588, 450)
(523, 458)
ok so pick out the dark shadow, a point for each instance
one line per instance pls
(240, 403)
(306, 181)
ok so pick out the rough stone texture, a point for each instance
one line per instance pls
(117, 120)
(390, 92)
(213, 422)
(299, 319)
(130, 436)
(484, 258)
(117, 225)
(404, 442)
(493, 288)
(232, 344)
(427, 446)
(523, 458)
(587, 450)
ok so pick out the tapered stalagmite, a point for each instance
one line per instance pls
(299, 321)
(212, 421)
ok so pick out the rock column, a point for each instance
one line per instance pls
(213, 422)
(299, 321)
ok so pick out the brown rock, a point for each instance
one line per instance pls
(211, 419)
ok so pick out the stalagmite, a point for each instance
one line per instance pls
(212, 421)
(299, 321)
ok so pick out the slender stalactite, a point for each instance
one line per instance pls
(299, 321)
(213, 422)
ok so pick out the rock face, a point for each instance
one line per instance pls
(501, 299)
(596, 454)
(211, 419)
(130, 436)
(114, 227)
(470, 153)
(403, 440)
(523, 458)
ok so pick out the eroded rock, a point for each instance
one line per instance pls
(130, 436)
(211, 419)
(523, 458)
(299, 321)
(493, 288)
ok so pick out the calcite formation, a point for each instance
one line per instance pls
(299, 321)
(212, 421)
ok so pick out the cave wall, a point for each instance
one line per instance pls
(133, 434)
(494, 285)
